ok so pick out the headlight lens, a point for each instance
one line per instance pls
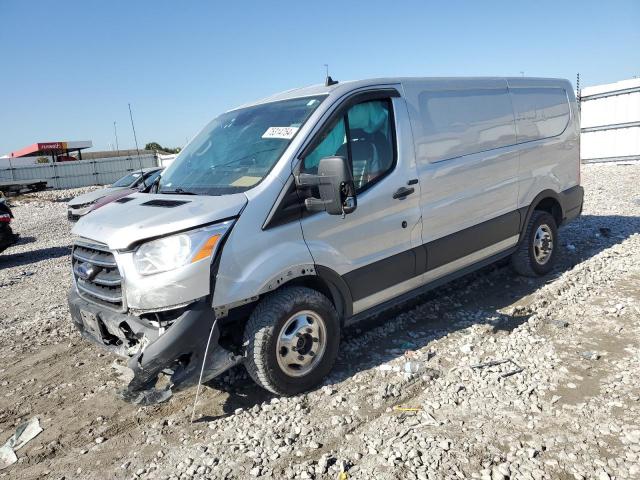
(175, 251)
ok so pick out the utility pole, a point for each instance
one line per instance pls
(135, 138)
(115, 133)
(133, 127)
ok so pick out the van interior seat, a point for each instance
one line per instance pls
(370, 154)
(364, 158)
(368, 124)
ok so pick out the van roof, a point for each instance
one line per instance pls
(345, 86)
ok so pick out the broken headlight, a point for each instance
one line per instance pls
(175, 251)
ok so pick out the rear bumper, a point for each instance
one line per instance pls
(571, 201)
(178, 351)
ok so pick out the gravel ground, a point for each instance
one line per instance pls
(565, 405)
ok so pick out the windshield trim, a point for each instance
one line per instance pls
(320, 97)
(259, 103)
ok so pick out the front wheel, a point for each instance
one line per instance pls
(537, 252)
(291, 340)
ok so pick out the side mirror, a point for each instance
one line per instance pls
(335, 184)
(151, 187)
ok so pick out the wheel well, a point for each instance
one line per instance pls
(552, 206)
(315, 282)
(239, 315)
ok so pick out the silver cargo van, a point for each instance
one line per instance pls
(286, 219)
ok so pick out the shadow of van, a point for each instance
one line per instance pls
(21, 259)
(446, 309)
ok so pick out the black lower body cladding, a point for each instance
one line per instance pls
(179, 350)
(571, 201)
(385, 273)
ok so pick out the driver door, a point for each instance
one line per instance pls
(377, 249)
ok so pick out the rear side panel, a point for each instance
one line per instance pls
(548, 128)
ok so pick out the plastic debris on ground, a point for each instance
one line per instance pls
(344, 467)
(400, 408)
(590, 355)
(416, 361)
(25, 432)
(145, 398)
(559, 323)
(493, 363)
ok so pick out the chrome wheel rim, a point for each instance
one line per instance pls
(543, 244)
(302, 341)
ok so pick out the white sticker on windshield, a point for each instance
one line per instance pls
(280, 132)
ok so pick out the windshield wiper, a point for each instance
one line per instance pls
(177, 191)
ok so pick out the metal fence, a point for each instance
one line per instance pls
(80, 173)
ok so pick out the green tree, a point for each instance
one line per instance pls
(153, 146)
(156, 147)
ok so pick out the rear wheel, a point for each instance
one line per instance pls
(291, 340)
(537, 252)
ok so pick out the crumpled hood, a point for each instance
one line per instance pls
(119, 225)
(92, 196)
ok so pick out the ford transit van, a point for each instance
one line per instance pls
(286, 219)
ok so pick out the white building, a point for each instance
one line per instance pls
(610, 118)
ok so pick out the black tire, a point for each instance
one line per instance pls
(524, 260)
(264, 328)
(7, 237)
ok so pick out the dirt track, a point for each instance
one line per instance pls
(573, 411)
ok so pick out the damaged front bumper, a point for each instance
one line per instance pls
(176, 347)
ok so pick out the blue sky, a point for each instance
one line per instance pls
(69, 68)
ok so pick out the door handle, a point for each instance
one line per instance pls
(403, 192)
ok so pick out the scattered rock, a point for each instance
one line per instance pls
(467, 423)
(466, 348)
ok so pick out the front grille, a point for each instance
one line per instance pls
(97, 276)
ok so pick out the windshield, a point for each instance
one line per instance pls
(127, 180)
(237, 149)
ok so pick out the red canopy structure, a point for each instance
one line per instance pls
(59, 150)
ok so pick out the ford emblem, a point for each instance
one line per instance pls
(86, 271)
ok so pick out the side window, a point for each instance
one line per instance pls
(540, 112)
(463, 122)
(370, 147)
(333, 143)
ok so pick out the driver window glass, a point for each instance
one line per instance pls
(371, 155)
